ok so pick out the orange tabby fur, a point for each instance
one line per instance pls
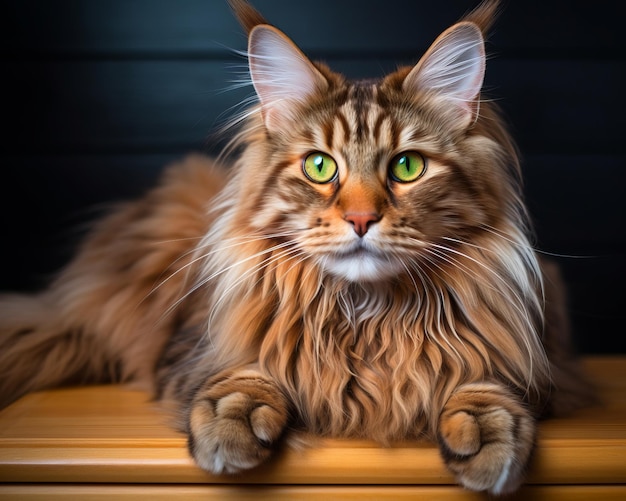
(237, 294)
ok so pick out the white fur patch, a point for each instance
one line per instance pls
(361, 266)
(502, 479)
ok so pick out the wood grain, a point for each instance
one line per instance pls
(300, 493)
(115, 434)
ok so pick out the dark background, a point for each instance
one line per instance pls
(97, 95)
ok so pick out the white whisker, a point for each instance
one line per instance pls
(242, 278)
(439, 332)
(226, 244)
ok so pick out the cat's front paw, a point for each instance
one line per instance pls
(486, 437)
(235, 422)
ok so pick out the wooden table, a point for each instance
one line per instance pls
(111, 441)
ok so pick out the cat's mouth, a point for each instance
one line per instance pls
(358, 250)
(356, 253)
(360, 264)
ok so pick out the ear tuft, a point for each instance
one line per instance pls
(281, 74)
(454, 68)
(247, 15)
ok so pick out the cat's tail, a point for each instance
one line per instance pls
(38, 351)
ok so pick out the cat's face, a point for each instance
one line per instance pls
(372, 179)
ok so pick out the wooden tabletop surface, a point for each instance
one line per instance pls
(114, 434)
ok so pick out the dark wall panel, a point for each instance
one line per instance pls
(173, 104)
(127, 27)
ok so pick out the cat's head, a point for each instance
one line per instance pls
(379, 178)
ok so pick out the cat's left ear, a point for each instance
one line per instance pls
(453, 68)
(282, 75)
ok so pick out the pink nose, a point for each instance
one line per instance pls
(361, 221)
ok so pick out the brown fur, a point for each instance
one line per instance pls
(231, 293)
(105, 317)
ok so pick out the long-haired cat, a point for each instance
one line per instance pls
(362, 269)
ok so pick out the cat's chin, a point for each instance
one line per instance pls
(361, 267)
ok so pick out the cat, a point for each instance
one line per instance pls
(359, 265)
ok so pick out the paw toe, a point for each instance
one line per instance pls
(267, 423)
(461, 434)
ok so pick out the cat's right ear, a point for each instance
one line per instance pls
(453, 68)
(282, 75)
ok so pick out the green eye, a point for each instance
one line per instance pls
(319, 167)
(407, 167)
